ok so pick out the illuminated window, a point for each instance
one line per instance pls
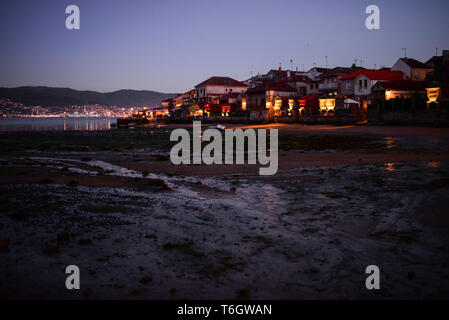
(291, 103)
(327, 104)
(277, 104)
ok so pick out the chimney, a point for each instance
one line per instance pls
(280, 68)
(445, 56)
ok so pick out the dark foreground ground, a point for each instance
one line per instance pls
(139, 227)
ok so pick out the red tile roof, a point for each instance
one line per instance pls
(221, 81)
(386, 75)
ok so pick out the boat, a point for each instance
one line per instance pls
(125, 123)
(218, 126)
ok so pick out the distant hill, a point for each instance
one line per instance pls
(48, 96)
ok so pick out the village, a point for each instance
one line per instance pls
(410, 92)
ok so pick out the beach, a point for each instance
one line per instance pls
(112, 203)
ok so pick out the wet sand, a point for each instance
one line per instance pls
(140, 227)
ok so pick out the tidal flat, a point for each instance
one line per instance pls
(139, 227)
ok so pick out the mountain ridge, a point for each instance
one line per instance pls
(58, 96)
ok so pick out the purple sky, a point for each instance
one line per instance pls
(170, 46)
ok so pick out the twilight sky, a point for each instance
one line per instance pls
(172, 45)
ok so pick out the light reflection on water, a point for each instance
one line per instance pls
(433, 141)
(433, 164)
(56, 124)
(391, 142)
(389, 166)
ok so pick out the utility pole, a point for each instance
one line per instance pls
(436, 52)
(405, 52)
(291, 63)
(326, 61)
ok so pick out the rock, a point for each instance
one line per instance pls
(138, 292)
(4, 244)
(161, 158)
(18, 216)
(313, 270)
(46, 181)
(87, 292)
(63, 237)
(146, 280)
(84, 241)
(52, 250)
(411, 275)
(73, 183)
(244, 294)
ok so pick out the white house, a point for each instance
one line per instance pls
(315, 72)
(412, 68)
(363, 81)
(216, 87)
(330, 81)
(300, 83)
(269, 96)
